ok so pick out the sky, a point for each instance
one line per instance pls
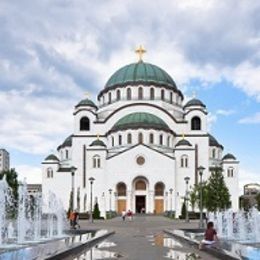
(54, 51)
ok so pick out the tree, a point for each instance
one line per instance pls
(217, 194)
(11, 178)
(193, 197)
(183, 210)
(96, 212)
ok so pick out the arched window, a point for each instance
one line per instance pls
(140, 138)
(120, 140)
(113, 141)
(129, 138)
(67, 154)
(195, 123)
(128, 94)
(152, 93)
(121, 189)
(140, 185)
(96, 161)
(184, 161)
(230, 172)
(161, 139)
(140, 93)
(109, 98)
(49, 173)
(171, 97)
(84, 124)
(162, 94)
(213, 153)
(159, 189)
(118, 95)
(151, 138)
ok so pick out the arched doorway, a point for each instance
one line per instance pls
(159, 199)
(140, 185)
(121, 200)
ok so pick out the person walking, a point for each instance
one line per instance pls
(123, 215)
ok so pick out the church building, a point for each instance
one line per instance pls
(139, 147)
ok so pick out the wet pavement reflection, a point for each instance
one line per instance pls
(176, 249)
(100, 252)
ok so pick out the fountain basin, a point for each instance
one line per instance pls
(56, 249)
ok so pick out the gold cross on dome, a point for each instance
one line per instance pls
(140, 52)
(183, 136)
(87, 94)
(98, 135)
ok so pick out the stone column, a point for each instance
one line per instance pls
(129, 200)
(150, 207)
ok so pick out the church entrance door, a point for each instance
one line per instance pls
(139, 203)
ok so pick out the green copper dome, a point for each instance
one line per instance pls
(86, 102)
(140, 120)
(141, 73)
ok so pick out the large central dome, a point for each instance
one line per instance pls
(140, 73)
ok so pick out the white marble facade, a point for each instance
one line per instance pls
(138, 147)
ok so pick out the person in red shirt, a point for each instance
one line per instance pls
(210, 236)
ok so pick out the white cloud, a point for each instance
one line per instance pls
(31, 174)
(225, 112)
(254, 119)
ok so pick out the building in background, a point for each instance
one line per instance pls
(139, 143)
(4, 160)
(34, 188)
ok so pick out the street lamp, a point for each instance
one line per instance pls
(186, 199)
(91, 180)
(171, 190)
(110, 202)
(201, 169)
(72, 169)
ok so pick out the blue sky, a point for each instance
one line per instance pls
(53, 51)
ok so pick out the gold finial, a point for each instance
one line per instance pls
(98, 135)
(140, 52)
(183, 136)
(87, 94)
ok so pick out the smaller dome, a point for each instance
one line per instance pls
(52, 157)
(213, 142)
(194, 102)
(183, 142)
(229, 156)
(66, 143)
(140, 120)
(86, 102)
(97, 142)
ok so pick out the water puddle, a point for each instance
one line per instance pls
(98, 252)
(175, 249)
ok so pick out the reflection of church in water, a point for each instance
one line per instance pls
(138, 143)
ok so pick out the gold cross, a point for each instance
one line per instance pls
(183, 136)
(87, 94)
(98, 136)
(140, 52)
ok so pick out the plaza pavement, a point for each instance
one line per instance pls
(141, 239)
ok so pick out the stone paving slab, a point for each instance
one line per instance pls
(136, 240)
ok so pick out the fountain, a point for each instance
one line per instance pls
(30, 224)
(238, 226)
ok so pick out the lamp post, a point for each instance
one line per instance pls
(72, 169)
(186, 199)
(171, 190)
(201, 169)
(110, 202)
(91, 180)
